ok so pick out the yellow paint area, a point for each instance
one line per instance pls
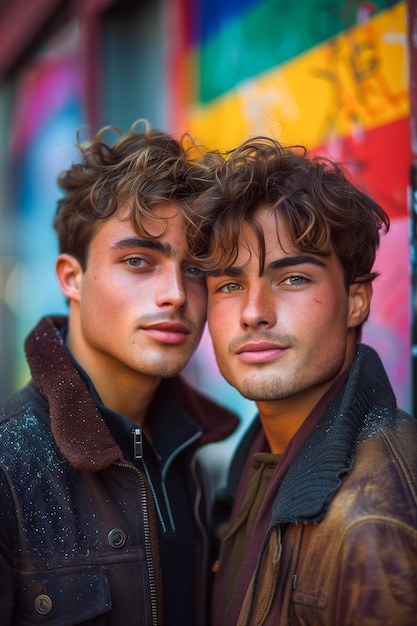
(346, 85)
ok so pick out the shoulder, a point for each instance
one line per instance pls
(401, 437)
(26, 401)
(393, 448)
(383, 480)
(24, 425)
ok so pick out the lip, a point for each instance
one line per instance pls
(168, 332)
(260, 351)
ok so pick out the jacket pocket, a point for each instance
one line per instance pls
(57, 598)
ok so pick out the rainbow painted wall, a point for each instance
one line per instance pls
(330, 75)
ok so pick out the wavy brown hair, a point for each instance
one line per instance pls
(324, 211)
(141, 169)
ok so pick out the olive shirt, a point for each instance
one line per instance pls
(263, 467)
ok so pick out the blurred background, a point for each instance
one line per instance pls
(336, 76)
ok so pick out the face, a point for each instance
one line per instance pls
(289, 332)
(139, 308)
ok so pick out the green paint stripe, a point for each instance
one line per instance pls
(269, 35)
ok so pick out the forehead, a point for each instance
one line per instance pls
(272, 229)
(119, 232)
(161, 219)
(157, 218)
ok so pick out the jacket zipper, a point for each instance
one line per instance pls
(137, 442)
(138, 454)
(148, 551)
(136, 434)
(149, 560)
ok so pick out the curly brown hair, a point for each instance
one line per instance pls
(324, 211)
(142, 169)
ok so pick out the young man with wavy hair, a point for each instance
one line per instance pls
(323, 529)
(104, 501)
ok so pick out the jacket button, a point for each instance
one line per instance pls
(43, 604)
(116, 538)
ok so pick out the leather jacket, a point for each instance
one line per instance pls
(78, 526)
(339, 544)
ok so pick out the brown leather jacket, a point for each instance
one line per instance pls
(339, 547)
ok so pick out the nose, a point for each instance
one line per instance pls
(171, 290)
(259, 307)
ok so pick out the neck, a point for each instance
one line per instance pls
(124, 391)
(131, 399)
(281, 419)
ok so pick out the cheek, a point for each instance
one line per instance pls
(320, 317)
(220, 338)
(197, 302)
(216, 315)
(103, 298)
(327, 306)
(223, 327)
(217, 338)
(327, 319)
(212, 323)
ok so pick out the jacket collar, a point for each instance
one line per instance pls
(365, 405)
(76, 422)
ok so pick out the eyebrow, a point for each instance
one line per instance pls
(296, 260)
(152, 244)
(234, 271)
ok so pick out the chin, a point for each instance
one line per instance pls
(260, 392)
(168, 372)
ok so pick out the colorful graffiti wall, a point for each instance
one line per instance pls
(47, 113)
(330, 75)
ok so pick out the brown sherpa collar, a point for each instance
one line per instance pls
(79, 429)
(77, 425)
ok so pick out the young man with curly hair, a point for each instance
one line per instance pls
(104, 502)
(323, 529)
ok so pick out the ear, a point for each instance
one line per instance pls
(360, 296)
(69, 273)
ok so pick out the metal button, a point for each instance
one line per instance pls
(116, 538)
(43, 604)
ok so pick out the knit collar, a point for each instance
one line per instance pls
(365, 405)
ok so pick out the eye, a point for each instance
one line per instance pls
(230, 287)
(195, 272)
(135, 261)
(295, 281)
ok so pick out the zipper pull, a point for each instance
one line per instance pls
(137, 443)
